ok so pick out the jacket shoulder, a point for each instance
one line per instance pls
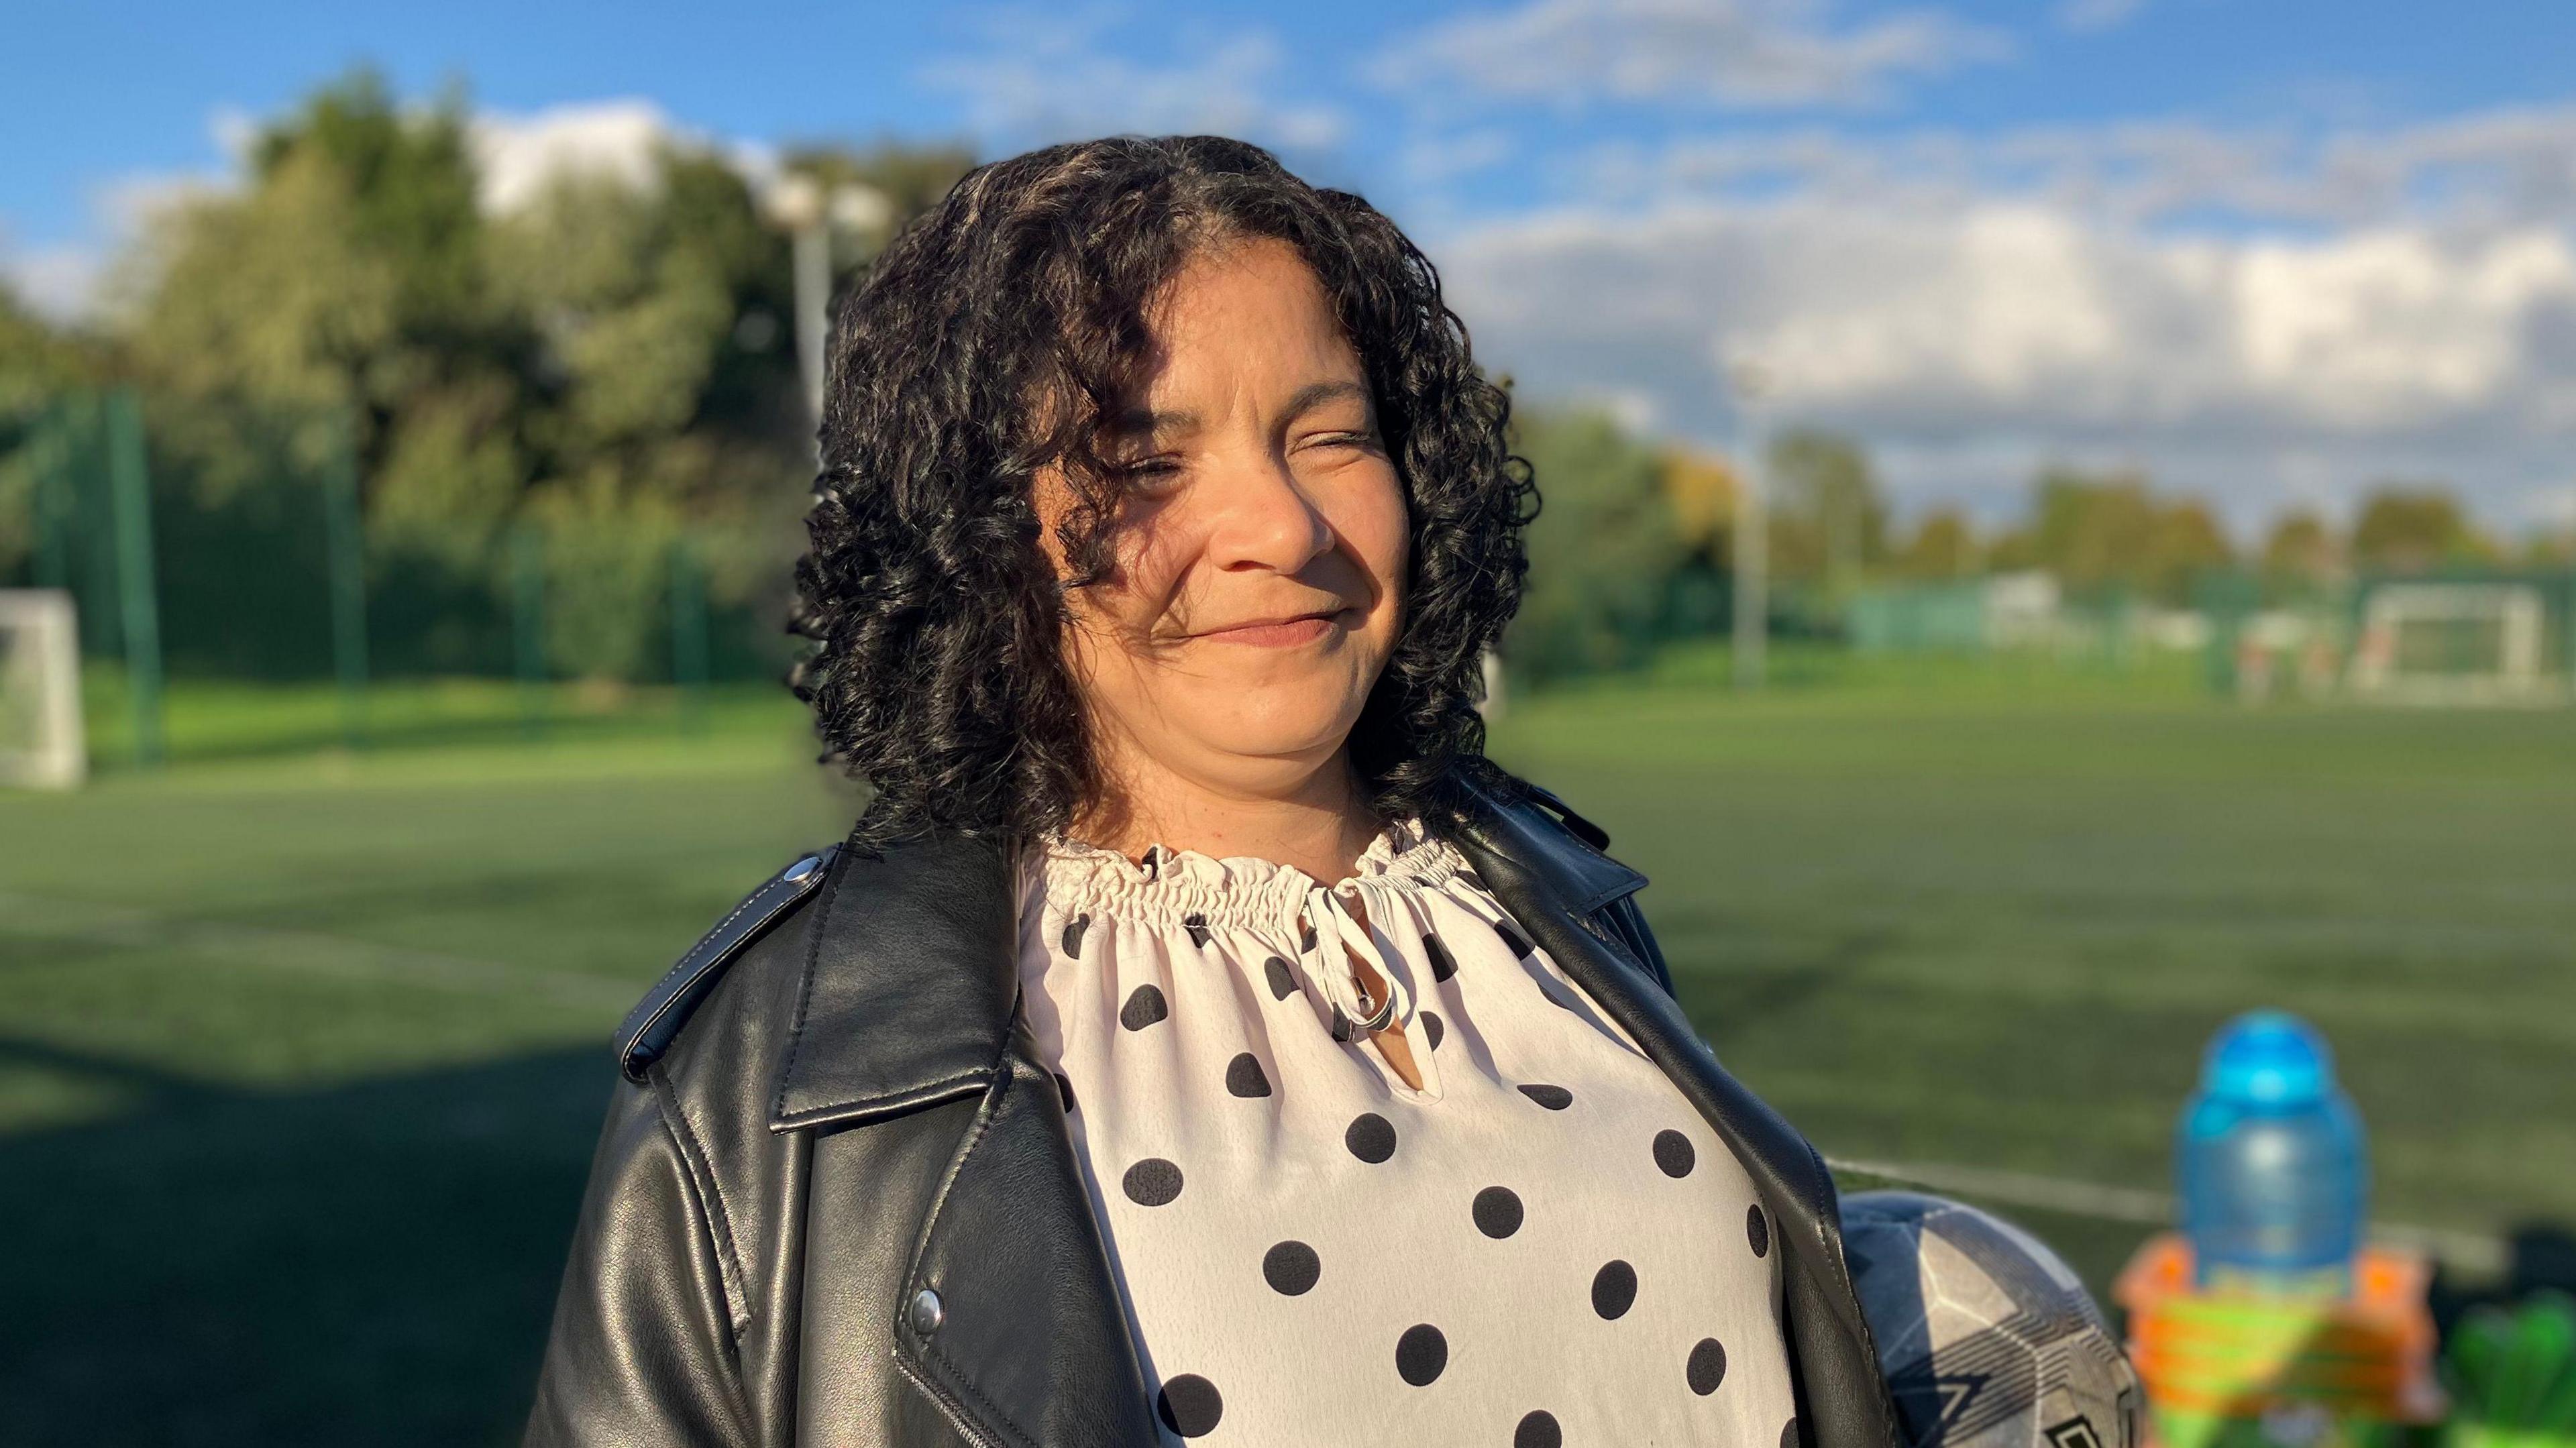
(1561, 847)
(655, 1022)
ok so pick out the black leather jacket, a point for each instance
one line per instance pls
(841, 1207)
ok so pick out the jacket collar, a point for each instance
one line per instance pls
(911, 979)
(912, 973)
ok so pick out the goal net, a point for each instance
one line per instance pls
(40, 712)
(2451, 643)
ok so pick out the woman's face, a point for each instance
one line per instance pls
(1258, 583)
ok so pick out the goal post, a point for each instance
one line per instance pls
(41, 745)
(2452, 643)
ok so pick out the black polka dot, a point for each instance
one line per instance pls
(1152, 1182)
(1520, 950)
(1789, 1434)
(1243, 1076)
(1073, 933)
(1190, 1405)
(1371, 1137)
(1283, 982)
(1420, 1354)
(1196, 924)
(1305, 936)
(1443, 965)
(1144, 1007)
(1707, 1366)
(1497, 1211)
(1153, 861)
(1538, 1430)
(1064, 1088)
(1554, 1098)
(1673, 1153)
(1614, 1289)
(1433, 1029)
(1341, 1025)
(1291, 1268)
(1758, 1228)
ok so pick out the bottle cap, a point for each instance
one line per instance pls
(2270, 1057)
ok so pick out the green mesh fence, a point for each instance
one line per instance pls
(265, 565)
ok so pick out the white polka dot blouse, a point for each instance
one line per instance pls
(1372, 1169)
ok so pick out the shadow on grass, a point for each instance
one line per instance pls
(370, 1264)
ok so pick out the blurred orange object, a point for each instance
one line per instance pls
(2238, 1369)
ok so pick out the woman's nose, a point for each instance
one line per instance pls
(1265, 519)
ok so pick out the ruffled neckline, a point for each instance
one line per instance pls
(1191, 887)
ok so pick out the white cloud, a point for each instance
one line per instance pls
(1731, 53)
(2264, 316)
(59, 283)
(1970, 326)
(519, 156)
(2486, 169)
(1045, 76)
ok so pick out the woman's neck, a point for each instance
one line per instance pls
(1322, 826)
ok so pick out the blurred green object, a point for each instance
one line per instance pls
(2512, 1375)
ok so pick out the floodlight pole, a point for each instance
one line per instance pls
(810, 215)
(813, 247)
(1752, 540)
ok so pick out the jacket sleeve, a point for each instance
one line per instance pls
(642, 1348)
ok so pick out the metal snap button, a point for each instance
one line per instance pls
(927, 1312)
(798, 873)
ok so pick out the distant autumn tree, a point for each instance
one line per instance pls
(1942, 546)
(1828, 518)
(2411, 529)
(2301, 553)
(2112, 530)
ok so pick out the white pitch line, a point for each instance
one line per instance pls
(2469, 1251)
(306, 952)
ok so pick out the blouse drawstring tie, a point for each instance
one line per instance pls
(1353, 1011)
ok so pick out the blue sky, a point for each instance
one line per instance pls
(2272, 250)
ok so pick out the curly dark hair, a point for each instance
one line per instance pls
(989, 341)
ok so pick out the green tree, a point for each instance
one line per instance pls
(1602, 550)
(613, 360)
(37, 359)
(1828, 520)
(2412, 529)
(1942, 546)
(349, 274)
(2184, 541)
(2111, 531)
(2301, 554)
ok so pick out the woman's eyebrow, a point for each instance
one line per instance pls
(1141, 423)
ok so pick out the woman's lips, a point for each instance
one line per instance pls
(1280, 634)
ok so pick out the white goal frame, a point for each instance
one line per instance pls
(2515, 608)
(41, 743)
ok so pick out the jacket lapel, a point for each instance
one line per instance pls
(910, 999)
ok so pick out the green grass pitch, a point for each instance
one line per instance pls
(302, 1054)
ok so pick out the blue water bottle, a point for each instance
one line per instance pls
(2275, 1183)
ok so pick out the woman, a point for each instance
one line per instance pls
(1197, 1036)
